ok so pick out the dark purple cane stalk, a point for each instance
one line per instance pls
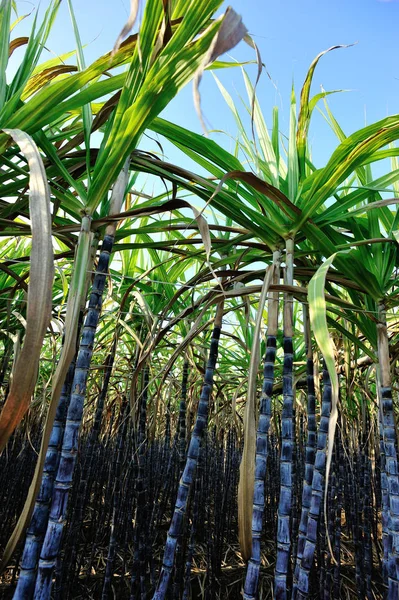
(384, 502)
(285, 502)
(317, 492)
(391, 460)
(191, 462)
(38, 524)
(309, 451)
(253, 569)
(393, 494)
(228, 491)
(338, 519)
(63, 482)
(296, 479)
(168, 430)
(209, 529)
(182, 416)
(287, 442)
(251, 581)
(181, 440)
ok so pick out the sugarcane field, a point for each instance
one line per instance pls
(199, 300)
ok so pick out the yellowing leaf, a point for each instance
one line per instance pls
(39, 290)
(247, 467)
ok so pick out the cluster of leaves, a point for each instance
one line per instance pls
(164, 282)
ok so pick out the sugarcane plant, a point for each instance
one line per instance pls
(166, 417)
(295, 194)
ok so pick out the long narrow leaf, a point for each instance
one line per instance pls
(39, 291)
(318, 319)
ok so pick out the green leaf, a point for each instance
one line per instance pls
(86, 108)
(293, 165)
(318, 320)
(305, 110)
(5, 17)
(149, 86)
(350, 154)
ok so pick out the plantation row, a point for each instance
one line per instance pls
(125, 488)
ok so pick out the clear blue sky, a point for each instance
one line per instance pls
(289, 34)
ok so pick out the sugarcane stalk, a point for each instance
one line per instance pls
(38, 524)
(302, 589)
(182, 416)
(310, 445)
(193, 529)
(63, 482)
(384, 498)
(338, 520)
(287, 440)
(390, 448)
(253, 569)
(187, 477)
(181, 433)
(41, 508)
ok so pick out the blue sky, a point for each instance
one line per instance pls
(289, 34)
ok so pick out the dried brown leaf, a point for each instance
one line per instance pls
(134, 9)
(231, 31)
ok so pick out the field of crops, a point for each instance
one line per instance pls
(198, 361)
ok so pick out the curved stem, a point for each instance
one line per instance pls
(187, 477)
(310, 448)
(391, 461)
(317, 492)
(287, 440)
(63, 483)
(38, 524)
(253, 570)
